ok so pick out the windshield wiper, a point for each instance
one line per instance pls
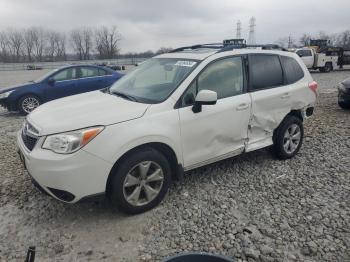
(125, 96)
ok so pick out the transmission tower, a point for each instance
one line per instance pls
(251, 39)
(239, 29)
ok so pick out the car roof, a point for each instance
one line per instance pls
(201, 54)
(86, 65)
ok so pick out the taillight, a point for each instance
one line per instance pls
(313, 86)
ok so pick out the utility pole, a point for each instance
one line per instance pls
(239, 30)
(251, 39)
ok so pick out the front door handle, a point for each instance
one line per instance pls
(242, 107)
(285, 96)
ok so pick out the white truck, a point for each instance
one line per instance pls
(320, 61)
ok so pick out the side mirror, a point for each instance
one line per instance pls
(300, 55)
(204, 97)
(51, 81)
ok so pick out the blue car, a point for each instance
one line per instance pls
(65, 81)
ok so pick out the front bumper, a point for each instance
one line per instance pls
(3, 102)
(67, 178)
(9, 105)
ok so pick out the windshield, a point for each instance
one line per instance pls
(45, 76)
(154, 80)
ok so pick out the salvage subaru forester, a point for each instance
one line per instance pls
(175, 112)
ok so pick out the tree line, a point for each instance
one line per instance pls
(37, 44)
(337, 39)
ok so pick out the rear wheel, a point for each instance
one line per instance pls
(141, 181)
(28, 103)
(327, 67)
(288, 137)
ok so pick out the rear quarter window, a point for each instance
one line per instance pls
(265, 71)
(292, 69)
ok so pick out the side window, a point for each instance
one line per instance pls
(225, 77)
(65, 74)
(292, 69)
(265, 71)
(190, 95)
(88, 72)
(102, 72)
(304, 53)
(307, 53)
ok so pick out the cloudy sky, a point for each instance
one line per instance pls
(148, 25)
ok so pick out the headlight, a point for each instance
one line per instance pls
(69, 142)
(6, 94)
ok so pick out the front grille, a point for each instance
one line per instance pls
(29, 135)
(29, 141)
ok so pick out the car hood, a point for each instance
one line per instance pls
(84, 110)
(14, 87)
(346, 83)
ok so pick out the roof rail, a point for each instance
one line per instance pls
(240, 46)
(194, 47)
(228, 45)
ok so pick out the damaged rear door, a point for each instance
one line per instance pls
(218, 131)
(271, 99)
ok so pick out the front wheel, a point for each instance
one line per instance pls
(140, 181)
(28, 103)
(288, 137)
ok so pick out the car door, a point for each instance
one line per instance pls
(271, 99)
(92, 78)
(217, 131)
(307, 57)
(63, 83)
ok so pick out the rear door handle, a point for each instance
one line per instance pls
(285, 96)
(242, 107)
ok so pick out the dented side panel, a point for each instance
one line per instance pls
(270, 107)
(215, 131)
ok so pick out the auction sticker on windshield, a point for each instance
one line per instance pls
(185, 63)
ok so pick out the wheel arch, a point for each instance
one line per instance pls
(163, 148)
(294, 112)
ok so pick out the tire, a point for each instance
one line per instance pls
(281, 148)
(128, 188)
(327, 67)
(344, 105)
(28, 103)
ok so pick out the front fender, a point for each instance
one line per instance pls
(116, 140)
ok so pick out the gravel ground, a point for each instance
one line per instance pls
(251, 207)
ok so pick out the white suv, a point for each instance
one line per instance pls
(175, 112)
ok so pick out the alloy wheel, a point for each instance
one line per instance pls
(143, 183)
(29, 104)
(291, 139)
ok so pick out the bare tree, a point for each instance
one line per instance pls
(164, 50)
(29, 35)
(39, 42)
(343, 39)
(81, 40)
(60, 46)
(305, 39)
(107, 42)
(16, 43)
(4, 47)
